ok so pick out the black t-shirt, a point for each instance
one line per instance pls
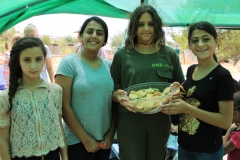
(194, 134)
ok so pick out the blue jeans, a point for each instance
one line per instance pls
(186, 155)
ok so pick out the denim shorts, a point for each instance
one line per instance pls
(186, 155)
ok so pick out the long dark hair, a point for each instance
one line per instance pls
(159, 34)
(14, 64)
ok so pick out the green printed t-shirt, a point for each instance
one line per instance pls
(130, 67)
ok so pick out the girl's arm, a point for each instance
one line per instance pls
(5, 144)
(221, 119)
(70, 117)
(229, 131)
(108, 138)
(50, 69)
(117, 93)
(226, 137)
(228, 147)
(63, 150)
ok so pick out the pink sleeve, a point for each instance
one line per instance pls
(6, 70)
(235, 139)
(102, 53)
(79, 47)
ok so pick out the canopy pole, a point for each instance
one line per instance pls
(144, 2)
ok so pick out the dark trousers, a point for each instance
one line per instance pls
(142, 136)
(52, 155)
(78, 152)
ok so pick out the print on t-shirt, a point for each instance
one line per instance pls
(188, 123)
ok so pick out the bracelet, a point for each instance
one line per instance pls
(88, 141)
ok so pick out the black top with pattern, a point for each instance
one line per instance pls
(194, 134)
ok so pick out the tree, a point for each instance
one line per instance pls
(229, 45)
(70, 40)
(5, 37)
(66, 45)
(228, 40)
(178, 40)
(179, 37)
(46, 40)
(116, 40)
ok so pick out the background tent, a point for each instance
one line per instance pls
(222, 13)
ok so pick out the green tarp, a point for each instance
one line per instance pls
(222, 13)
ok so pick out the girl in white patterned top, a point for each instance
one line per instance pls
(31, 109)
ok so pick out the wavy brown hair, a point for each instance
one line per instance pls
(14, 64)
(159, 34)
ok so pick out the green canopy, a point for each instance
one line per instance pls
(222, 13)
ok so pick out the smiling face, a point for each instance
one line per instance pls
(202, 44)
(93, 36)
(31, 62)
(145, 32)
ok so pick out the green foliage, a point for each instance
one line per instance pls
(179, 37)
(61, 45)
(228, 40)
(116, 40)
(6, 37)
(70, 40)
(64, 43)
(46, 40)
(229, 45)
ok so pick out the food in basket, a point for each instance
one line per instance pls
(148, 93)
(145, 100)
(148, 100)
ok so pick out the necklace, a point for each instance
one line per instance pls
(145, 43)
